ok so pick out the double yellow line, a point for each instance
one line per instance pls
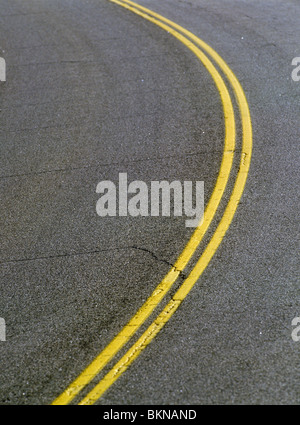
(201, 50)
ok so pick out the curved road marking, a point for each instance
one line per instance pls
(122, 365)
(143, 313)
(97, 365)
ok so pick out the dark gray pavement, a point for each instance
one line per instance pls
(93, 90)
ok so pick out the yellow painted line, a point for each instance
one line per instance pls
(208, 253)
(136, 349)
(242, 101)
(144, 312)
(182, 292)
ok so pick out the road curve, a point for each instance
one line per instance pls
(93, 90)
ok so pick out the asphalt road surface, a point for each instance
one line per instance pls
(93, 90)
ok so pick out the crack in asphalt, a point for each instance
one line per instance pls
(95, 251)
(109, 164)
(160, 259)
